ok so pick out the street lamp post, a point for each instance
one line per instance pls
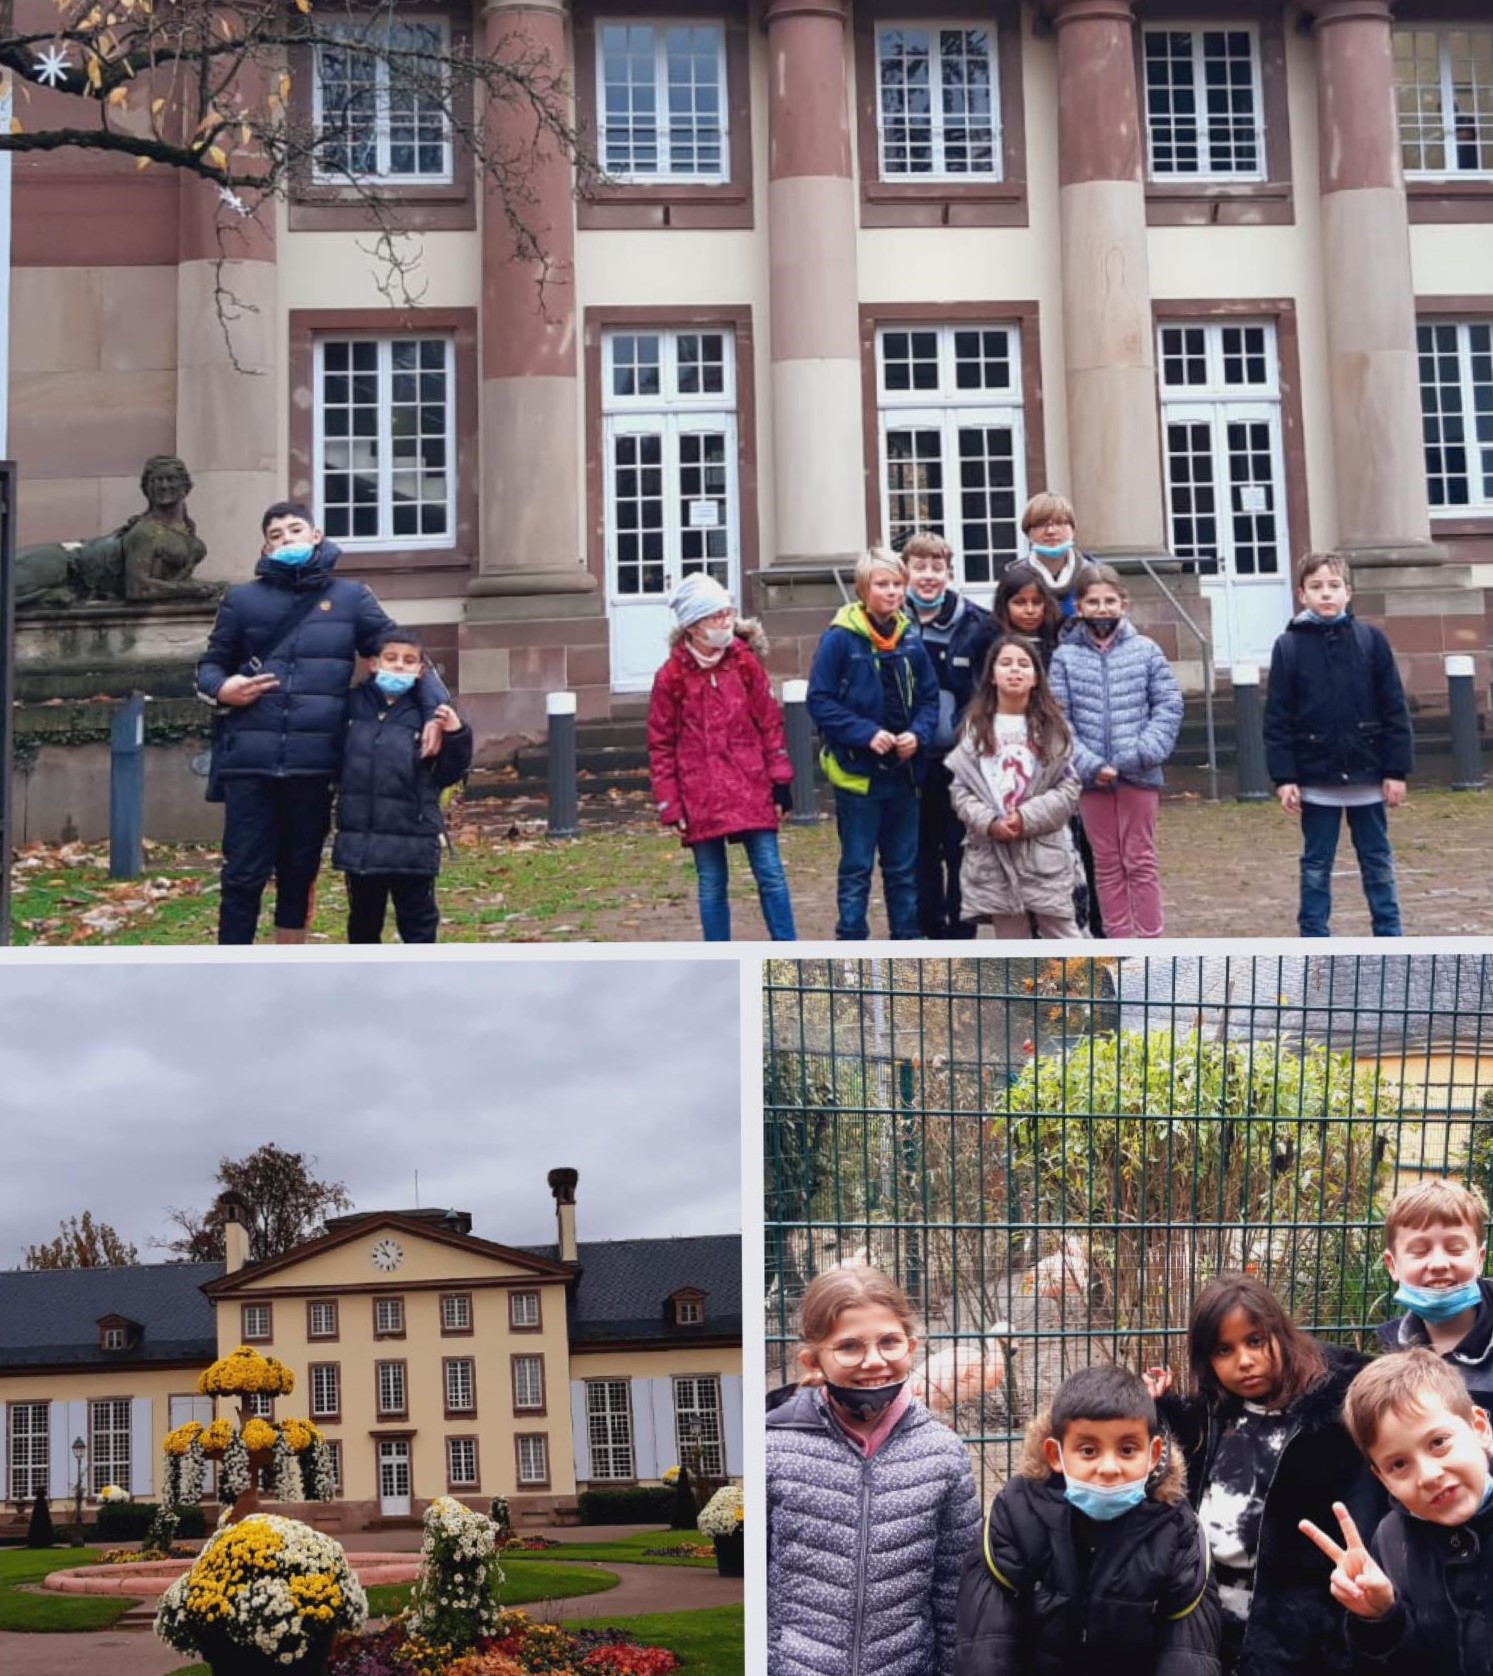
(80, 1449)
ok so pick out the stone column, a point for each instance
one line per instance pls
(1373, 377)
(1113, 429)
(530, 411)
(818, 460)
(227, 382)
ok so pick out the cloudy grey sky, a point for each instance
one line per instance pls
(122, 1085)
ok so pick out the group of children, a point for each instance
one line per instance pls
(1004, 767)
(1146, 1532)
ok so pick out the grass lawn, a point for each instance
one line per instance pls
(52, 1612)
(628, 1548)
(522, 1586)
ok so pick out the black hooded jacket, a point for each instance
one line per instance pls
(1295, 1628)
(1050, 1592)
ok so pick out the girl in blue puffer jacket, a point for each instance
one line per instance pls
(1125, 709)
(871, 1504)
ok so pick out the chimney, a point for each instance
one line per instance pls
(235, 1210)
(562, 1185)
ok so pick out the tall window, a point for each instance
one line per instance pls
(385, 440)
(388, 1315)
(523, 1309)
(461, 1460)
(27, 1453)
(697, 1423)
(609, 1428)
(109, 1456)
(952, 449)
(321, 1318)
(937, 116)
(533, 1459)
(256, 1323)
(1444, 86)
(1456, 399)
(380, 105)
(389, 1379)
(1203, 104)
(528, 1382)
(662, 109)
(456, 1313)
(259, 1405)
(461, 1388)
(326, 1390)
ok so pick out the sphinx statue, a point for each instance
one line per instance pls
(148, 559)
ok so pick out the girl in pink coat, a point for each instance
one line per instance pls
(716, 753)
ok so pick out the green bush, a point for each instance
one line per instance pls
(130, 1521)
(39, 1533)
(644, 1505)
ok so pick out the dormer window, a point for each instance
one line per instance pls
(114, 1338)
(687, 1308)
(116, 1333)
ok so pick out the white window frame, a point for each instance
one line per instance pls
(534, 1445)
(388, 1316)
(1443, 32)
(32, 1441)
(1205, 174)
(456, 1312)
(259, 1405)
(386, 538)
(528, 1383)
(1479, 506)
(115, 1338)
(382, 175)
(108, 1443)
(469, 1444)
(325, 1374)
(939, 118)
(688, 1312)
(328, 1330)
(460, 1371)
(391, 1377)
(947, 409)
(712, 1450)
(664, 175)
(609, 1428)
(519, 1312)
(334, 1444)
(257, 1313)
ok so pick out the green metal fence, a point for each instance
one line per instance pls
(1052, 1156)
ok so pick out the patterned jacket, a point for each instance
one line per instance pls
(864, 1556)
(1124, 704)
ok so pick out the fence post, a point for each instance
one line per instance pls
(1249, 736)
(800, 733)
(127, 790)
(564, 798)
(1467, 755)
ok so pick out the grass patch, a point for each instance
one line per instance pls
(710, 1642)
(43, 1614)
(628, 1549)
(521, 1587)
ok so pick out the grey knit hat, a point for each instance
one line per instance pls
(699, 596)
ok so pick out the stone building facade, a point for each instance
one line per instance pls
(1220, 270)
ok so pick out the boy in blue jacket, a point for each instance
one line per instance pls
(874, 698)
(1337, 740)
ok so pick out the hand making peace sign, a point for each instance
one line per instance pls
(1357, 1582)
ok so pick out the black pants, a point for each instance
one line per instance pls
(415, 912)
(940, 854)
(270, 827)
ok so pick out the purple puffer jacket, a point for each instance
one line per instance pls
(863, 1557)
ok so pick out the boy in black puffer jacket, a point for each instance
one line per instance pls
(389, 826)
(1337, 738)
(1092, 1562)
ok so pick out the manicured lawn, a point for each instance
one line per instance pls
(710, 1642)
(41, 1613)
(627, 1548)
(522, 1586)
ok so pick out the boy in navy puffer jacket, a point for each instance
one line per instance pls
(1337, 740)
(1125, 709)
(389, 826)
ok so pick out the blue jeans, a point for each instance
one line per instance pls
(713, 873)
(1368, 825)
(868, 827)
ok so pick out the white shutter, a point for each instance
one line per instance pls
(645, 1452)
(5, 1494)
(580, 1431)
(731, 1423)
(665, 1438)
(142, 1452)
(61, 1472)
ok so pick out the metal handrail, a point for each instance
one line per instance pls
(1206, 647)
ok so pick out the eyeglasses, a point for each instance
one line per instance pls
(852, 1352)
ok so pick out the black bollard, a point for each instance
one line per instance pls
(564, 798)
(1249, 736)
(127, 790)
(800, 733)
(1467, 751)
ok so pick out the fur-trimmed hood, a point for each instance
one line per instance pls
(1168, 1484)
(748, 630)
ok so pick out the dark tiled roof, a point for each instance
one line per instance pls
(48, 1317)
(624, 1286)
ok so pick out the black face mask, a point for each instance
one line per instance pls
(1101, 627)
(863, 1401)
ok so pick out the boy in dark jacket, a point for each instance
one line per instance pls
(281, 657)
(389, 826)
(1337, 738)
(956, 635)
(1092, 1563)
(874, 699)
(1417, 1596)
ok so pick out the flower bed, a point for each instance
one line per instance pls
(528, 1544)
(518, 1648)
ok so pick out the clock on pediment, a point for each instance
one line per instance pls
(387, 1255)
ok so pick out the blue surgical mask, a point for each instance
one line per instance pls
(928, 607)
(1439, 1305)
(1052, 552)
(392, 685)
(1097, 1502)
(293, 556)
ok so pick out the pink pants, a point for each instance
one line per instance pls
(1120, 825)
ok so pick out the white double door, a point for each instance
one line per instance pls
(393, 1477)
(672, 508)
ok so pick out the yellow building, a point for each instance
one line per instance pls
(435, 1362)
